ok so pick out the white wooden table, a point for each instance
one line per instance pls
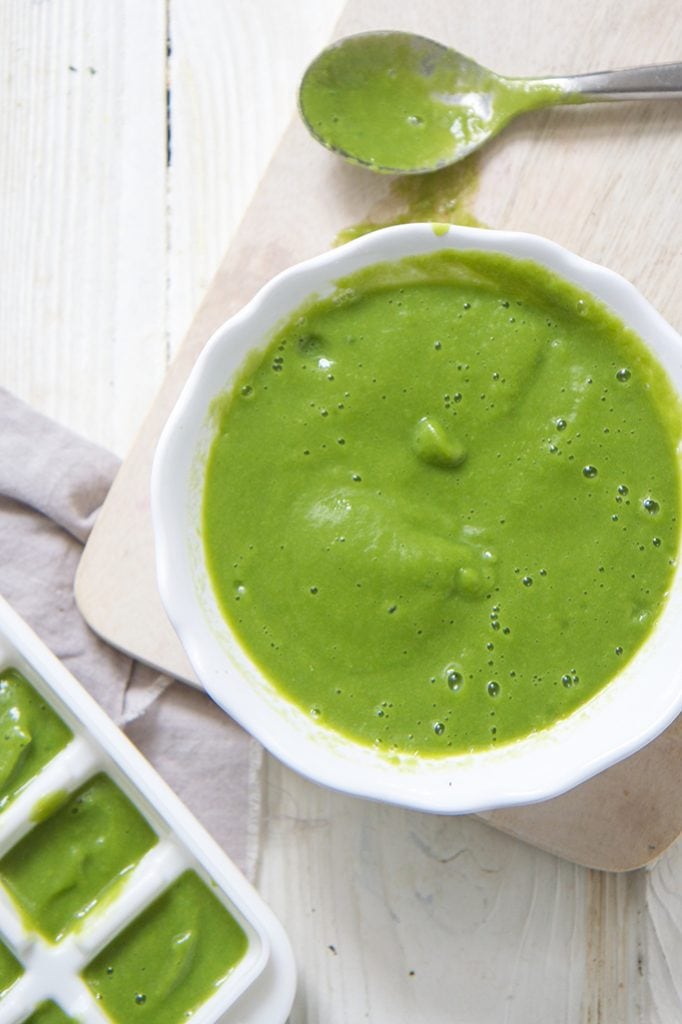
(132, 135)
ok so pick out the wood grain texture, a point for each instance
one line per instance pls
(110, 241)
(400, 916)
(620, 819)
(233, 70)
(82, 210)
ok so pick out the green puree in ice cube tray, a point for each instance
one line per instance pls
(10, 969)
(170, 959)
(75, 857)
(31, 734)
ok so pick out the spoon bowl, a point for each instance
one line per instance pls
(400, 103)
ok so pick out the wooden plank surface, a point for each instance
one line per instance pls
(394, 916)
(83, 211)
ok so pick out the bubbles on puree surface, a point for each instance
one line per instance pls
(454, 679)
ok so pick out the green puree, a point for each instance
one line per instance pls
(31, 734)
(49, 1013)
(170, 959)
(388, 105)
(71, 862)
(440, 510)
(10, 969)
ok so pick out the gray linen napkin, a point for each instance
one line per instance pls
(52, 484)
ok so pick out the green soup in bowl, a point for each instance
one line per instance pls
(426, 491)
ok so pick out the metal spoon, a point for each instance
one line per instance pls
(399, 103)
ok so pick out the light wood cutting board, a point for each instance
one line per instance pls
(603, 181)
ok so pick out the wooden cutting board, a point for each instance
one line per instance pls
(602, 180)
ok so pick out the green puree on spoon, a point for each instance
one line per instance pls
(400, 103)
(73, 860)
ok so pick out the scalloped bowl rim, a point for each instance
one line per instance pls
(626, 715)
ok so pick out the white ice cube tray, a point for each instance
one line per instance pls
(259, 989)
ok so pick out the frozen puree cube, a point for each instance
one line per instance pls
(31, 734)
(72, 861)
(10, 969)
(170, 959)
(49, 1013)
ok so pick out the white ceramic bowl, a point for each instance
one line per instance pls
(637, 705)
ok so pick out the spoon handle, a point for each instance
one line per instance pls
(656, 81)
